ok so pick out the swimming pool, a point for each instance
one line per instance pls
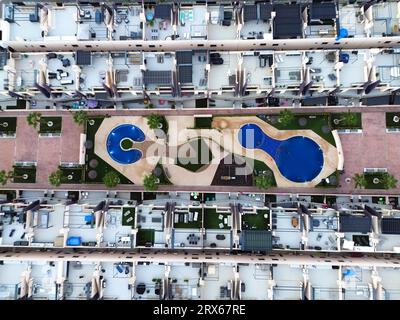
(119, 138)
(299, 158)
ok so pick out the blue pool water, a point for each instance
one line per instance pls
(114, 143)
(298, 158)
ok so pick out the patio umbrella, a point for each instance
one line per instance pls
(93, 163)
(92, 174)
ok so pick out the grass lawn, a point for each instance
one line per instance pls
(191, 224)
(8, 125)
(163, 177)
(390, 117)
(212, 221)
(20, 172)
(369, 177)
(127, 214)
(71, 175)
(261, 168)
(255, 221)
(195, 161)
(50, 125)
(314, 123)
(341, 124)
(145, 236)
(202, 122)
(102, 167)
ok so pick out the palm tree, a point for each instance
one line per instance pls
(80, 117)
(33, 119)
(111, 179)
(264, 181)
(389, 181)
(150, 182)
(55, 178)
(285, 117)
(154, 121)
(359, 180)
(5, 176)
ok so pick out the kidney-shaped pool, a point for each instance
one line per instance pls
(299, 158)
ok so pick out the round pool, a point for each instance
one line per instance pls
(299, 158)
(120, 143)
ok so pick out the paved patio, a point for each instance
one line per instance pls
(7, 147)
(26, 148)
(46, 151)
(374, 148)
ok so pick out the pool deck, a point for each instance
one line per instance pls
(135, 171)
(224, 134)
(231, 125)
(204, 176)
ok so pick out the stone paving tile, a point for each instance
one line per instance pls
(70, 137)
(374, 148)
(48, 158)
(7, 151)
(26, 141)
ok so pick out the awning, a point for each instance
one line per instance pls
(256, 240)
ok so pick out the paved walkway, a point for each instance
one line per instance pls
(214, 111)
(235, 189)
